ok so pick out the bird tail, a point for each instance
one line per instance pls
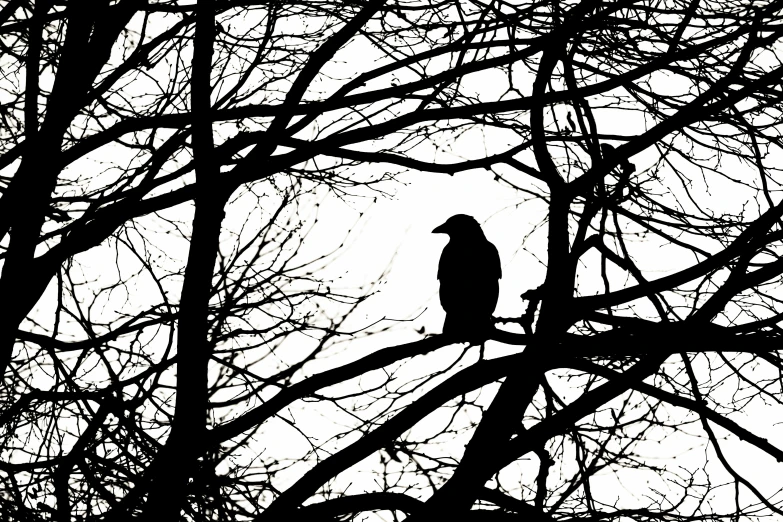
(468, 328)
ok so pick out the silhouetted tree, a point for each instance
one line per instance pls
(170, 334)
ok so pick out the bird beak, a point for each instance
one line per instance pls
(440, 229)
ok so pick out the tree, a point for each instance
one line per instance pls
(169, 309)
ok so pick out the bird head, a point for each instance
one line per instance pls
(459, 226)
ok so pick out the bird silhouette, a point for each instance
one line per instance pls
(468, 272)
(571, 122)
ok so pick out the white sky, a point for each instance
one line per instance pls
(396, 232)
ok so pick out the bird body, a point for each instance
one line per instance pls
(468, 272)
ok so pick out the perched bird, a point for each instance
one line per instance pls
(468, 272)
(571, 122)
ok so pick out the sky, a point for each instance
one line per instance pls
(392, 244)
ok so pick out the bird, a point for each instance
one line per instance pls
(468, 271)
(571, 122)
